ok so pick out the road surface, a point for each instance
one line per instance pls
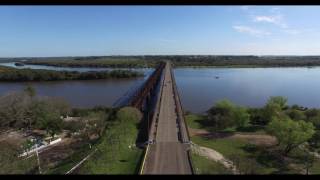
(168, 155)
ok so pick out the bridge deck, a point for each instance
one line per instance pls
(168, 155)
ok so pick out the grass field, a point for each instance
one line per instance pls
(206, 166)
(10, 163)
(71, 161)
(19, 166)
(249, 158)
(116, 153)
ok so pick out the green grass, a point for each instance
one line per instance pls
(197, 121)
(252, 155)
(20, 166)
(10, 163)
(316, 167)
(114, 156)
(227, 147)
(193, 120)
(236, 148)
(206, 166)
(249, 158)
(71, 161)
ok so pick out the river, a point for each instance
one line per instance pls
(199, 88)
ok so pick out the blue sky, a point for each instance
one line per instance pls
(145, 30)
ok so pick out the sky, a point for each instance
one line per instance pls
(42, 31)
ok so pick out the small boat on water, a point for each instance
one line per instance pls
(217, 77)
(18, 64)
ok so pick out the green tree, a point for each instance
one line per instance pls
(129, 114)
(290, 134)
(60, 105)
(225, 114)
(96, 123)
(221, 115)
(315, 140)
(31, 92)
(241, 117)
(46, 117)
(281, 101)
(312, 113)
(296, 114)
(13, 108)
(273, 108)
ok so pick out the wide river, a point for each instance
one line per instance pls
(199, 88)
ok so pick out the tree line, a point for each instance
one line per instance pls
(181, 60)
(291, 125)
(24, 110)
(96, 62)
(11, 74)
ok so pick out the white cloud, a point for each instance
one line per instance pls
(250, 30)
(274, 19)
(264, 19)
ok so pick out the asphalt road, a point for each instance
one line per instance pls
(168, 155)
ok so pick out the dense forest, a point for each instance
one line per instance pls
(11, 74)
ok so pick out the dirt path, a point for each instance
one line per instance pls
(257, 139)
(215, 156)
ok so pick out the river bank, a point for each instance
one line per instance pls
(8, 74)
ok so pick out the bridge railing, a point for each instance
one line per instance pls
(182, 124)
(139, 97)
(155, 118)
(125, 99)
(136, 94)
(184, 131)
(144, 160)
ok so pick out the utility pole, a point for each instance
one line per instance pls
(38, 159)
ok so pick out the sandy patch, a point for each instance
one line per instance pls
(215, 156)
(197, 132)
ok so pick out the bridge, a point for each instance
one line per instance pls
(169, 152)
(163, 126)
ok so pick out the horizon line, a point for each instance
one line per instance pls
(151, 55)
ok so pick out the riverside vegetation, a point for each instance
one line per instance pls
(12, 74)
(111, 131)
(276, 138)
(178, 61)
